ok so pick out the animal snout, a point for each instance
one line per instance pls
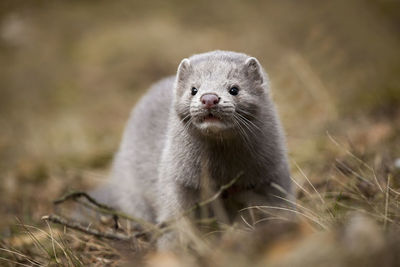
(209, 100)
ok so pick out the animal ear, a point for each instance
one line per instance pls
(183, 70)
(253, 69)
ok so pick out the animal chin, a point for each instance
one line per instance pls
(210, 124)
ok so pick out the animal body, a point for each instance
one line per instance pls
(212, 122)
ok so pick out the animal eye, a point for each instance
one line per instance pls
(194, 90)
(234, 90)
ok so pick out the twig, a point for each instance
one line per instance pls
(108, 210)
(219, 192)
(78, 194)
(102, 208)
(204, 202)
(80, 227)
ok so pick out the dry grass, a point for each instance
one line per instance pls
(70, 72)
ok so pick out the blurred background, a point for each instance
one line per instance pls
(70, 72)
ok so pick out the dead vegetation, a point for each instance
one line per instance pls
(71, 71)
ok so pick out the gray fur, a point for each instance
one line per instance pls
(167, 151)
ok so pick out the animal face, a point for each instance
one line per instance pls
(220, 95)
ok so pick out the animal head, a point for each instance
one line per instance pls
(219, 93)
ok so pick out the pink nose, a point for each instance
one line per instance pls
(209, 100)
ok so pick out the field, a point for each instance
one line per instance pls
(70, 72)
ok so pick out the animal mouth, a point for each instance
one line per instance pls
(210, 118)
(210, 123)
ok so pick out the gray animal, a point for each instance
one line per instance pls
(211, 123)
